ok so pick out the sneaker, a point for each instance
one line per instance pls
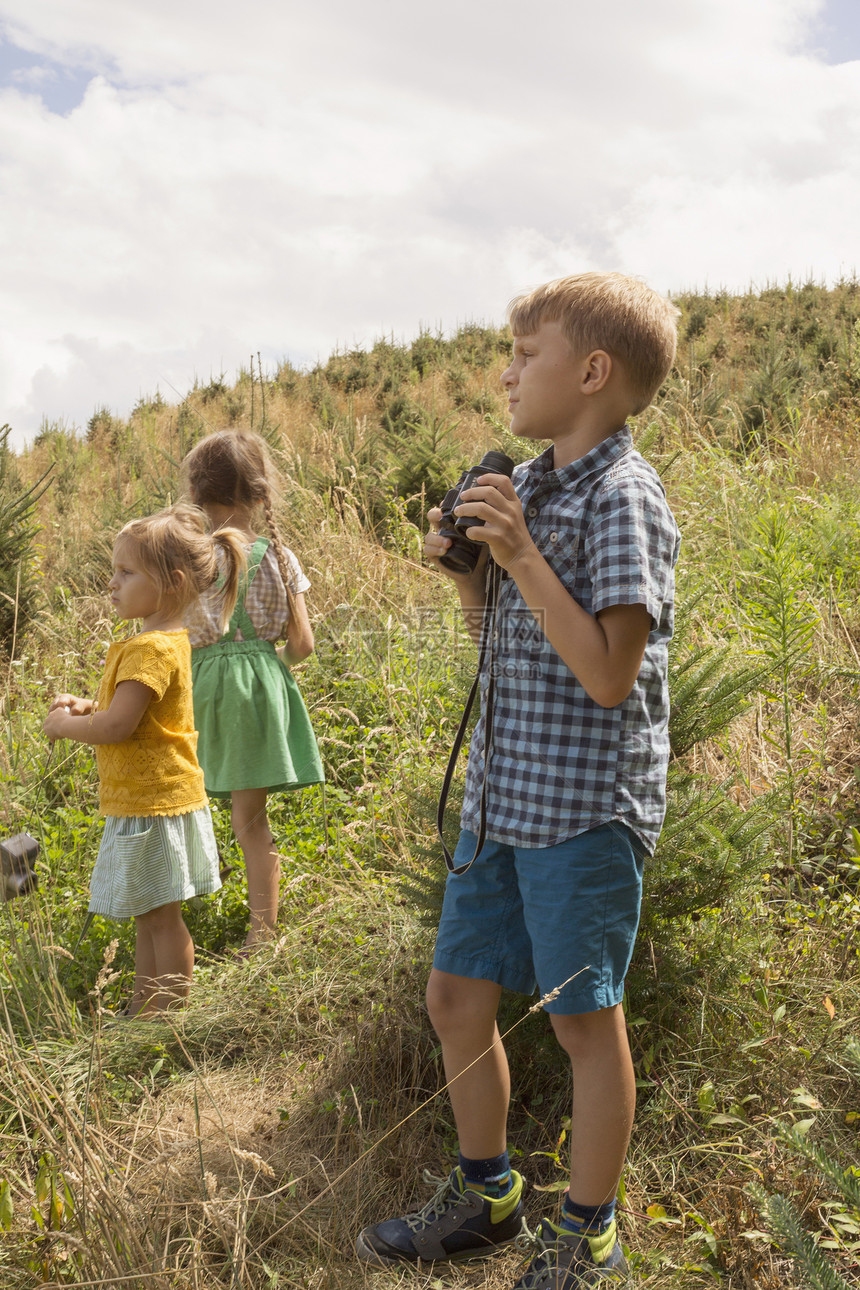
(455, 1224)
(566, 1261)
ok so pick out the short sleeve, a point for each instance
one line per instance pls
(299, 581)
(632, 544)
(153, 667)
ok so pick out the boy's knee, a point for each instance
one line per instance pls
(458, 1003)
(580, 1033)
(439, 999)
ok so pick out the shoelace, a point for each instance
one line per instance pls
(531, 1242)
(541, 1252)
(532, 1245)
(437, 1205)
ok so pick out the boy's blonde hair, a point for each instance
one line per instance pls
(233, 467)
(608, 311)
(179, 539)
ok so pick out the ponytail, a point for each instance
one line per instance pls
(232, 545)
(179, 539)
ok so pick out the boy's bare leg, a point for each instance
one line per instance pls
(262, 862)
(604, 1099)
(460, 1222)
(163, 962)
(463, 1013)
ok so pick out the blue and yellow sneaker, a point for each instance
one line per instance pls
(566, 1261)
(455, 1224)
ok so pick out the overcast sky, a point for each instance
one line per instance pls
(184, 183)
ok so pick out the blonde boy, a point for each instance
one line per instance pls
(583, 548)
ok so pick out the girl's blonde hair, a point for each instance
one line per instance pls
(234, 468)
(179, 539)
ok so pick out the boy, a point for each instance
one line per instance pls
(583, 550)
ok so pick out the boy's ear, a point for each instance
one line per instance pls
(596, 371)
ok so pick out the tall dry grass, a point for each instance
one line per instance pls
(246, 1142)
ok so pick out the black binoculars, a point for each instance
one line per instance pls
(462, 555)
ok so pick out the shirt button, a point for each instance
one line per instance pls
(553, 537)
(532, 512)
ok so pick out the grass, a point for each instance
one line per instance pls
(296, 1098)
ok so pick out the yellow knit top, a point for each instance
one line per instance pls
(155, 771)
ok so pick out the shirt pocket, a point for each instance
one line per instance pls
(561, 545)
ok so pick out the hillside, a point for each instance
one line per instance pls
(294, 1099)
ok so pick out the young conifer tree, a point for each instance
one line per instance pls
(17, 531)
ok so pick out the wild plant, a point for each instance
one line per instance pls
(783, 624)
(711, 684)
(421, 460)
(712, 847)
(815, 1256)
(18, 530)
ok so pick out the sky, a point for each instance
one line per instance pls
(185, 184)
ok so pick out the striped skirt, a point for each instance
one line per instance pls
(145, 862)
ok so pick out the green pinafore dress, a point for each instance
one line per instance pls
(253, 727)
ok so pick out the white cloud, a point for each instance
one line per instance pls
(294, 178)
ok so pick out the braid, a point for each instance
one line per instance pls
(233, 467)
(280, 553)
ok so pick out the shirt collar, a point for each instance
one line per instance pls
(601, 456)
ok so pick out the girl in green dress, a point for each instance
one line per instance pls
(255, 736)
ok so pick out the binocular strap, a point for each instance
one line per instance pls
(486, 651)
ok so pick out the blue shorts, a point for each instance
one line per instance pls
(529, 917)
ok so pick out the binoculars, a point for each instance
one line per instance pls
(462, 555)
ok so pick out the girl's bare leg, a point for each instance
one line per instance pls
(144, 968)
(262, 862)
(163, 961)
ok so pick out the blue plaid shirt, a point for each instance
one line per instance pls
(560, 763)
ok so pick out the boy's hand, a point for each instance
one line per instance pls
(435, 546)
(494, 500)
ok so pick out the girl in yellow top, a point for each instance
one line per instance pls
(158, 847)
